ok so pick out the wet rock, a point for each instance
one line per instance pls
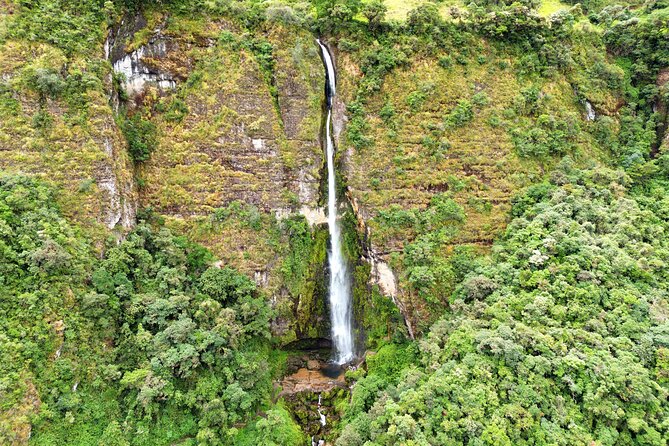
(313, 364)
(305, 380)
(590, 114)
(310, 344)
(317, 412)
(293, 364)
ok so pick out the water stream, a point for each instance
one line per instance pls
(340, 283)
(321, 414)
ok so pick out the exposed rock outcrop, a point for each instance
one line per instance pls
(135, 67)
(77, 149)
(662, 108)
(261, 146)
(305, 380)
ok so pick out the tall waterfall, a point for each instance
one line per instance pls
(340, 283)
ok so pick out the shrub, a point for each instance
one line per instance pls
(529, 101)
(424, 20)
(282, 14)
(461, 114)
(176, 111)
(549, 136)
(47, 83)
(42, 120)
(415, 100)
(141, 135)
(387, 112)
(247, 215)
(375, 13)
(225, 284)
(445, 61)
(480, 99)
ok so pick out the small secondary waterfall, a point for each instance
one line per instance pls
(590, 114)
(321, 414)
(340, 288)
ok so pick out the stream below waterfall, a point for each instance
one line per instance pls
(320, 442)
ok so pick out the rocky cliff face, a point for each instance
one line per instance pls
(417, 150)
(238, 119)
(237, 141)
(74, 144)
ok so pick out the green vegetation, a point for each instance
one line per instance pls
(507, 160)
(429, 231)
(559, 337)
(44, 262)
(277, 428)
(140, 135)
(117, 347)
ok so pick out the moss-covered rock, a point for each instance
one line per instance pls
(453, 124)
(56, 123)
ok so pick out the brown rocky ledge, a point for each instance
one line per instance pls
(305, 380)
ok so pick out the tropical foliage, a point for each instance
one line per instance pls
(148, 330)
(559, 338)
(555, 334)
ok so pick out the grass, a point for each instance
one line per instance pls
(549, 7)
(399, 9)
(475, 162)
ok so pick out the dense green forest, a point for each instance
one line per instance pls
(559, 337)
(150, 331)
(532, 305)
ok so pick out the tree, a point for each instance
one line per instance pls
(424, 19)
(335, 15)
(225, 284)
(113, 436)
(375, 12)
(547, 339)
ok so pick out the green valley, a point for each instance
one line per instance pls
(334, 222)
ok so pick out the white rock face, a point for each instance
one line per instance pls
(590, 114)
(137, 74)
(384, 277)
(261, 278)
(314, 216)
(108, 184)
(107, 47)
(128, 215)
(258, 144)
(307, 187)
(120, 209)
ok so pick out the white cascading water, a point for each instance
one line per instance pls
(340, 291)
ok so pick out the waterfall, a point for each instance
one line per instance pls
(340, 288)
(321, 414)
(590, 114)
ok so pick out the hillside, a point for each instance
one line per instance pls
(501, 182)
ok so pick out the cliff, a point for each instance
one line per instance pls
(238, 117)
(56, 123)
